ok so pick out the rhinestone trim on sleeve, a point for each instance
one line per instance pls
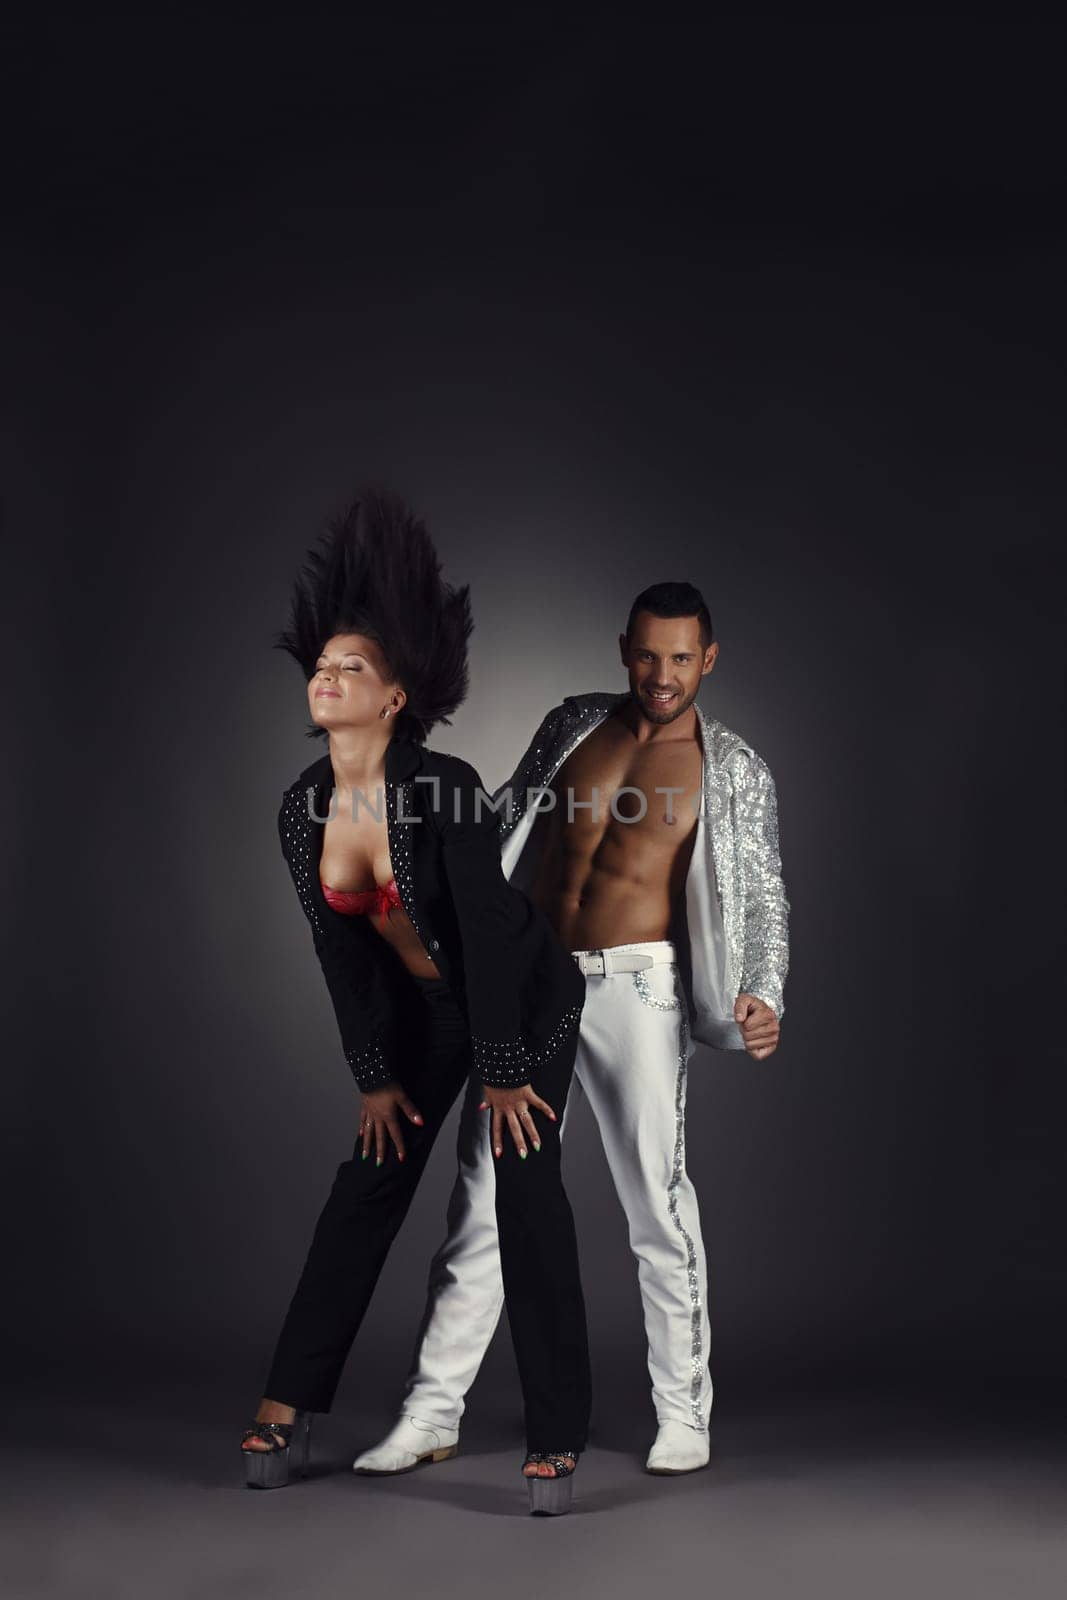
(567, 1024)
(501, 1063)
(369, 1066)
(509, 1063)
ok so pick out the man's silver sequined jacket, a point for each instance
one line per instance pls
(736, 911)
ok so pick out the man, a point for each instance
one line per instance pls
(648, 833)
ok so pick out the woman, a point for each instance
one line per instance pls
(438, 970)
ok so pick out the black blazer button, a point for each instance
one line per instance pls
(435, 944)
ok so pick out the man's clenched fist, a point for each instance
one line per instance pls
(758, 1024)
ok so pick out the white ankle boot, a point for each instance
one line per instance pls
(678, 1448)
(408, 1443)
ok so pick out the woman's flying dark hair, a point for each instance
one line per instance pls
(673, 600)
(375, 571)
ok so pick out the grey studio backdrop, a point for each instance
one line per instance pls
(847, 442)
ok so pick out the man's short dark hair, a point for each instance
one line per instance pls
(673, 600)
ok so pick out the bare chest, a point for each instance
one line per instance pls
(355, 850)
(651, 790)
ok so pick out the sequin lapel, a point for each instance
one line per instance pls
(717, 819)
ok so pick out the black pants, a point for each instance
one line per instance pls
(368, 1203)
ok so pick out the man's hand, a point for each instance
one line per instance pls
(515, 1107)
(378, 1118)
(759, 1026)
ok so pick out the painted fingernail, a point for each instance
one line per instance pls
(552, 1114)
(522, 1155)
(366, 1153)
(418, 1120)
(497, 1151)
(378, 1162)
(537, 1147)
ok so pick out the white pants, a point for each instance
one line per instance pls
(633, 1050)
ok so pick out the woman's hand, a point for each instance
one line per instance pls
(515, 1107)
(378, 1118)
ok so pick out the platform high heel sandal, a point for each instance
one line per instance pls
(551, 1497)
(290, 1444)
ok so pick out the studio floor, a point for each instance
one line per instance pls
(854, 1496)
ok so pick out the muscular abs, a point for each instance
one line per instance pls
(612, 875)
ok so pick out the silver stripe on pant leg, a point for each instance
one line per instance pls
(641, 984)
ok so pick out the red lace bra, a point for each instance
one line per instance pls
(358, 902)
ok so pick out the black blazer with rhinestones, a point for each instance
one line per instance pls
(524, 993)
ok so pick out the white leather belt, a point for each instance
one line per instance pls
(602, 963)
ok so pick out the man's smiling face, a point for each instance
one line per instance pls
(665, 662)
